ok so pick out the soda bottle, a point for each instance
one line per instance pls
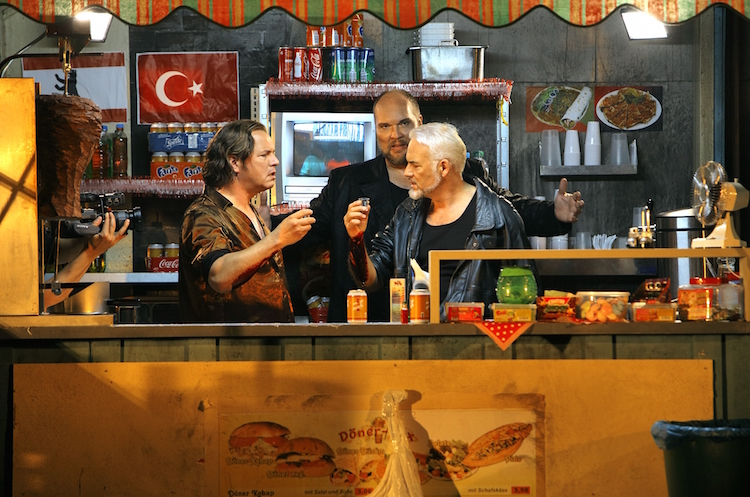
(479, 155)
(100, 159)
(120, 153)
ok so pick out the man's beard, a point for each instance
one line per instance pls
(396, 161)
(417, 193)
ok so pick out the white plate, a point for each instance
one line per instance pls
(604, 119)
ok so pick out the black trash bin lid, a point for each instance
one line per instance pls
(670, 434)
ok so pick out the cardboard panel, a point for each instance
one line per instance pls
(129, 429)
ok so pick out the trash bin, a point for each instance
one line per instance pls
(705, 458)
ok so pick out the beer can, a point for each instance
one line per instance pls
(155, 250)
(356, 306)
(366, 65)
(313, 36)
(346, 33)
(300, 64)
(172, 250)
(357, 30)
(286, 63)
(315, 64)
(350, 69)
(419, 306)
(338, 65)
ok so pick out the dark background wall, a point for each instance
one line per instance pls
(540, 49)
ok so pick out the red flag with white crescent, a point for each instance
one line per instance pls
(188, 87)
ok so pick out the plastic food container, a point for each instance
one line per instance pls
(522, 313)
(649, 312)
(602, 307)
(447, 63)
(464, 312)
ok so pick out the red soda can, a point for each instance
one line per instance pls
(286, 63)
(299, 72)
(313, 36)
(315, 64)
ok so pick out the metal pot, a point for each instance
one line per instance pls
(447, 63)
(676, 229)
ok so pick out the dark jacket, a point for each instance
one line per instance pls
(497, 225)
(370, 179)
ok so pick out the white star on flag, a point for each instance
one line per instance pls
(196, 88)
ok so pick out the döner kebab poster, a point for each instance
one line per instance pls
(618, 108)
(459, 452)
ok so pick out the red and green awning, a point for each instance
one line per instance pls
(397, 13)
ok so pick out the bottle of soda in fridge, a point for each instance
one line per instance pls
(120, 153)
(100, 159)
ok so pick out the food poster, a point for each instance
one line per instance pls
(629, 108)
(559, 106)
(459, 452)
(618, 108)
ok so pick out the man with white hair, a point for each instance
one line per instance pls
(447, 210)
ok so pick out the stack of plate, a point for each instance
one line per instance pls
(435, 34)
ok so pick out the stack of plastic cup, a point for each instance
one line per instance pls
(592, 148)
(572, 152)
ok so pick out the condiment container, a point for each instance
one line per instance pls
(516, 285)
(602, 307)
(652, 311)
(696, 301)
(464, 312)
(356, 306)
(522, 313)
(419, 306)
(732, 293)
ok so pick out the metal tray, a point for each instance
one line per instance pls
(447, 63)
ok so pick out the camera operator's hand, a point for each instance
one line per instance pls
(107, 237)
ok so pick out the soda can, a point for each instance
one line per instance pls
(357, 30)
(155, 250)
(346, 33)
(172, 250)
(300, 64)
(338, 65)
(286, 63)
(366, 65)
(313, 36)
(333, 36)
(419, 306)
(356, 306)
(315, 64)
(350, 69)
(323, 36)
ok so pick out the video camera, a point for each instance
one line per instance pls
(94, 205)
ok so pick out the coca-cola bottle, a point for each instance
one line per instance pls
(100, 159)
(120, 153)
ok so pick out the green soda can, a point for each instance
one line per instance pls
(366, 65)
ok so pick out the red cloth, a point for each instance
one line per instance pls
(188, 87)
(503, 334)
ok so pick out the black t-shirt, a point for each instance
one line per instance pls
(398, 195)
(447, 237)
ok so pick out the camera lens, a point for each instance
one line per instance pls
(133, 214)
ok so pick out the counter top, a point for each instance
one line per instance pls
(82, 328)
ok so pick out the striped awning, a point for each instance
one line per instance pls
(397, 13)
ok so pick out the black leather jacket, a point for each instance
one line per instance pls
(370, 179)
(497, 225)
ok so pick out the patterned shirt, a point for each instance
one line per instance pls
(211, 228)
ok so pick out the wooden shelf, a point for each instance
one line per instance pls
(489, 89)
(603, 170)
(436, 256)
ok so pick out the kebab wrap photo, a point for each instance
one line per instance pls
(577, 109)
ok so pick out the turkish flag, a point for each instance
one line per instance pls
(188, 87)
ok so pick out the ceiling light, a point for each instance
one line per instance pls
(100, 22)
(642, 25)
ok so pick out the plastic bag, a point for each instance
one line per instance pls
(670, 434)
(401, 478)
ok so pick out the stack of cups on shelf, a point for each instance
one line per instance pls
(549, 148)
(592, 149)
(619, 155)
(572, 151)
(435, 34)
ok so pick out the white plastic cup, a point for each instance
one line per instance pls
(572, 150)
(559, 242)
(583, 240)
(550, 148)
(592, 147)
(618, 153)
(538, 242)
(593, 134)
